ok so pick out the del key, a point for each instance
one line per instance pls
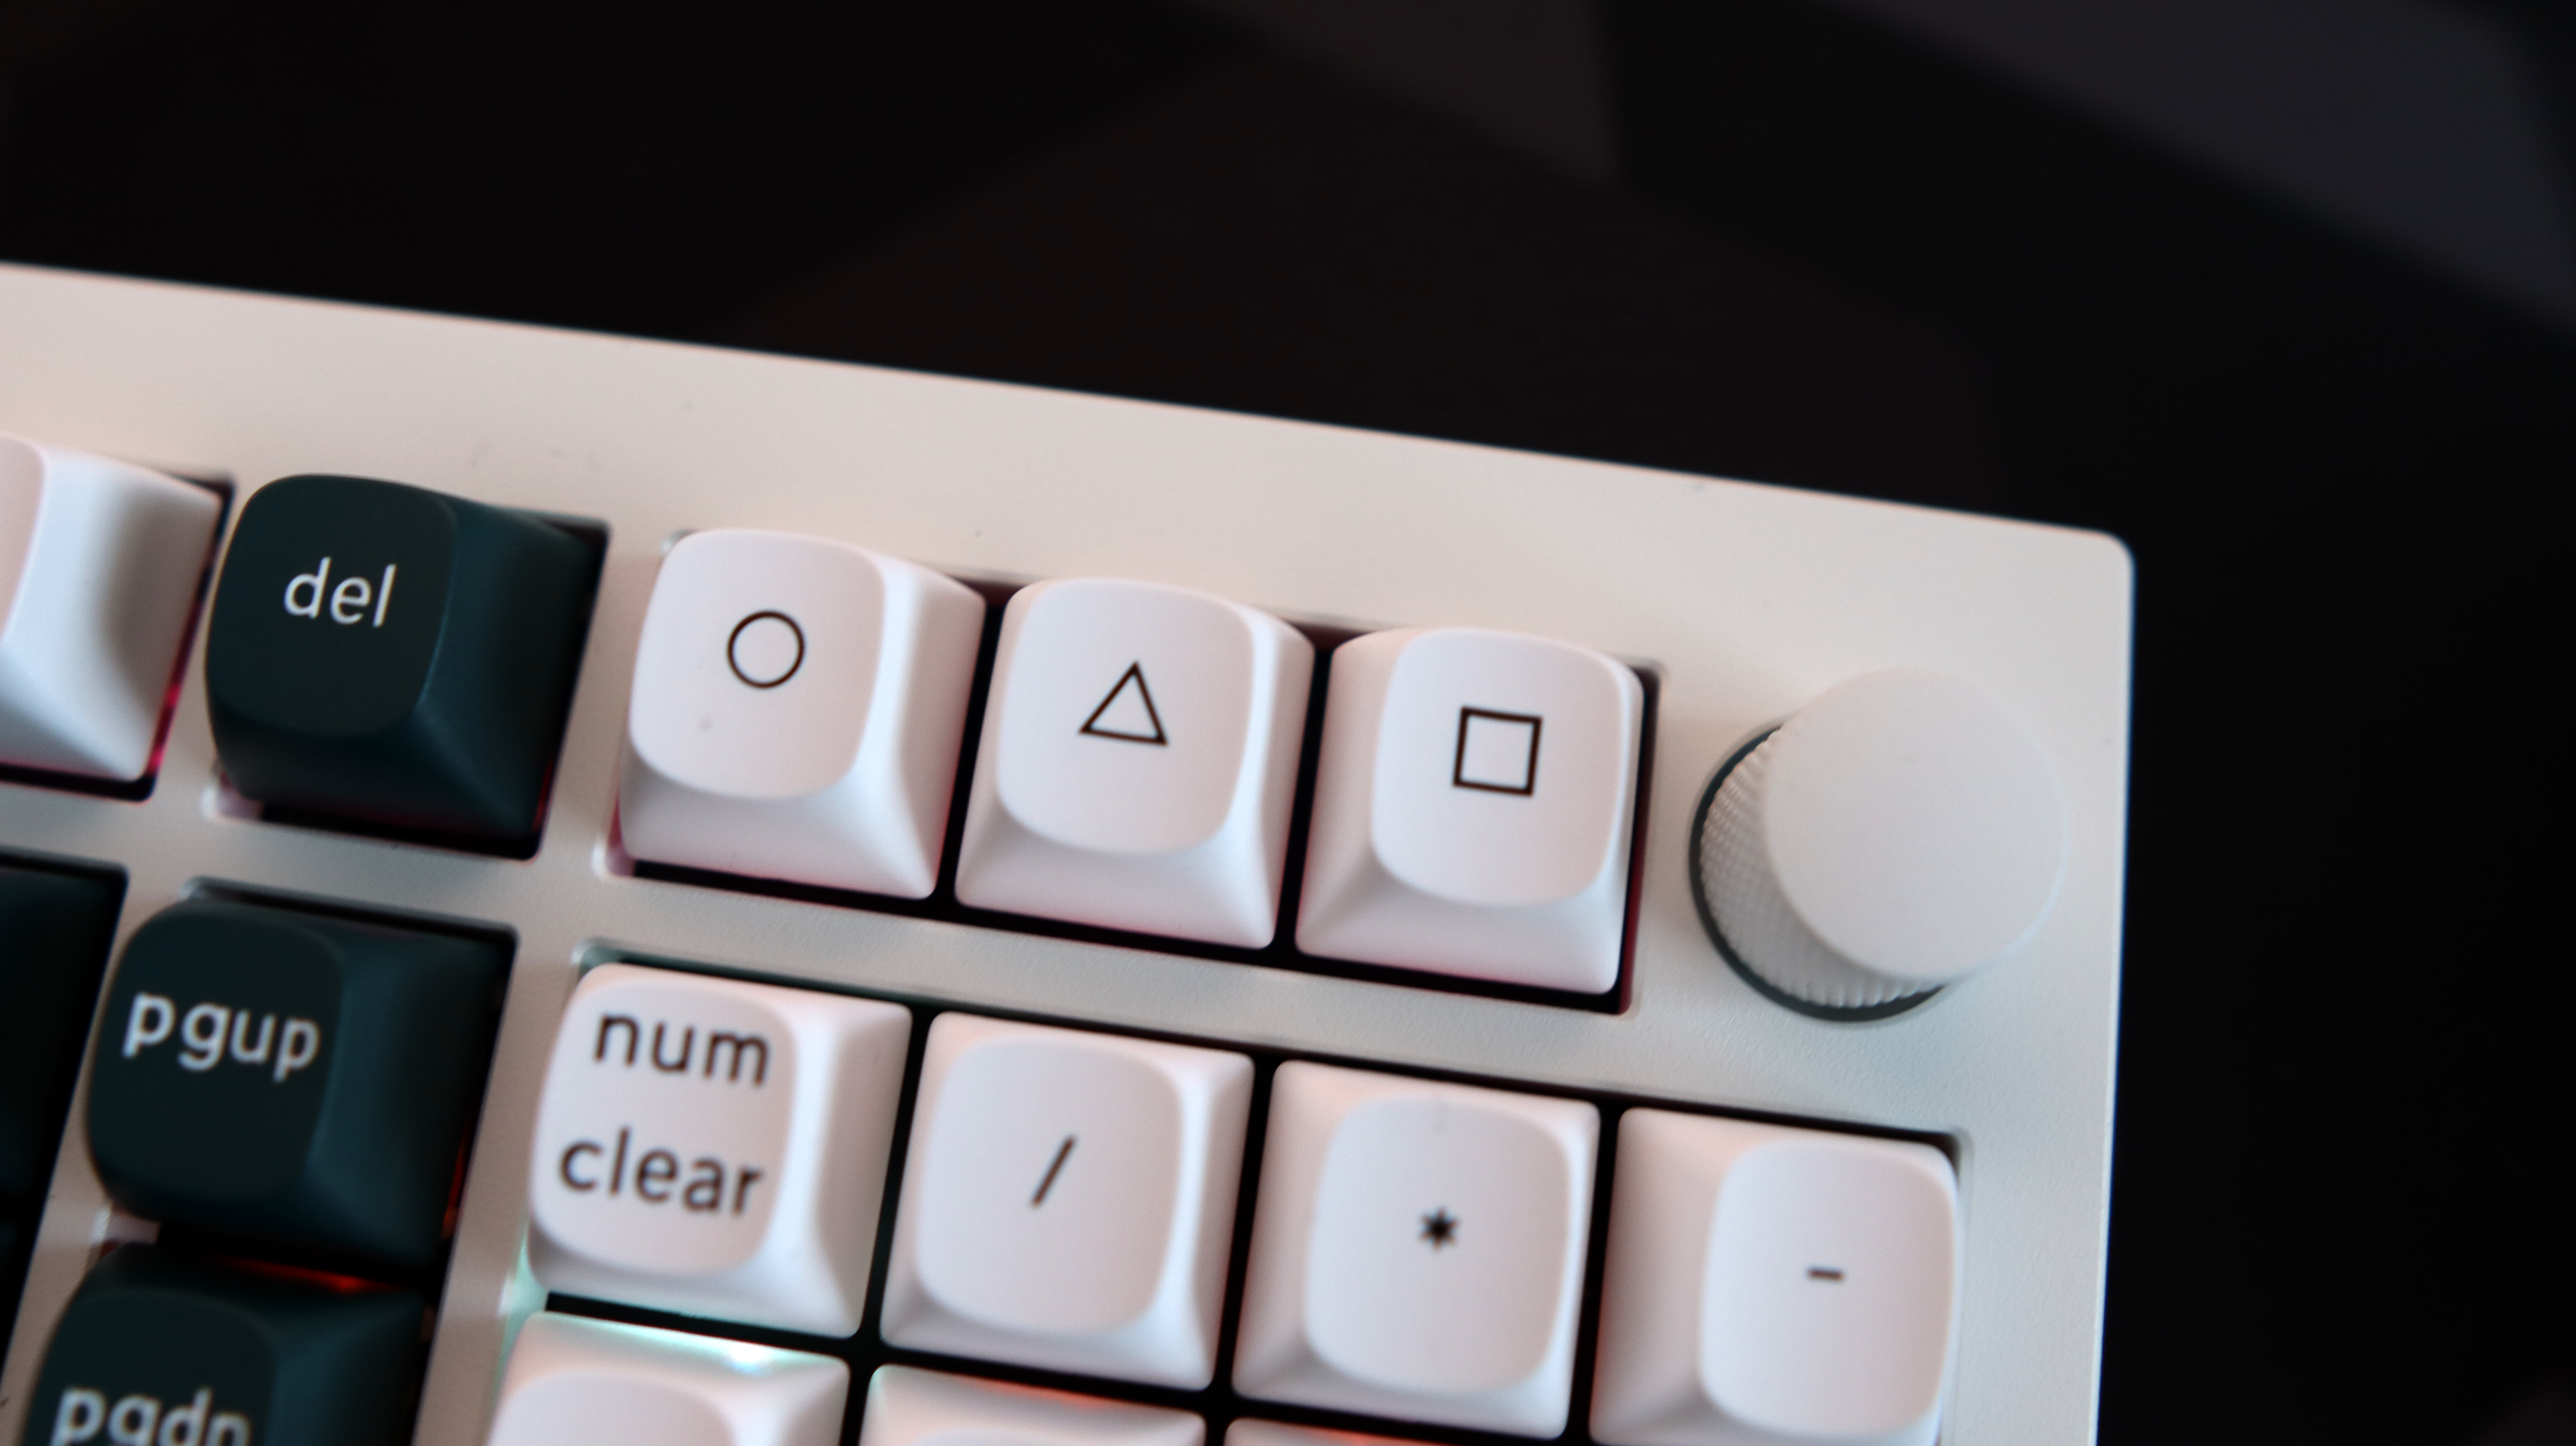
(393, 654)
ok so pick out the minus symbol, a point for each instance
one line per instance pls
(1823, 1272)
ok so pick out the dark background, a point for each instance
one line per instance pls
(1791, 245)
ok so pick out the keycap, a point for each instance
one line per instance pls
(1473, 800)
(1069, 1200)
(1248, 1431)
(576, 1380)
(99, 567)
(1768, 1285)
(1417, 1250)
(54, 932)
(55, 926)
(1138, 762)
(716, 1147)
(911, 1407)
(392, 654)
(295, 1076)
(798, 709)
(160, 1350)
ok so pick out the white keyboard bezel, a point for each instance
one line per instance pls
(1748, 600)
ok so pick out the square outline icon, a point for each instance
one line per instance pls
(1458, 769)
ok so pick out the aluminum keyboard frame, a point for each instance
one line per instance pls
(1745, 601)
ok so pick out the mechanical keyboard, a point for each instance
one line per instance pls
(564, 888)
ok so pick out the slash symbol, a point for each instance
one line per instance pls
(1063, 1152)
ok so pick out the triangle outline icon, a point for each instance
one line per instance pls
(1135, 675)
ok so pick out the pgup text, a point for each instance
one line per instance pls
(210, 1034)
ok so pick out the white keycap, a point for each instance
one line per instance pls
(1769, 1285)
(1417, 1250)
(576, 1380)
(99, 566)
(1138, 761)
(716, 1147)
(1472, 808)
(798, 710)
(908, 1407)
(1244, 1431)
(1069, 1200)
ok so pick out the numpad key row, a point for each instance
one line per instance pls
(557, 888)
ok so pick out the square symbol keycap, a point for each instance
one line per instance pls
(99, 566)
(389, 653)
(1069, 1200)
(716, 1147)
(908, 1407)
(798, 710)
(1138, 762)
(159, 1349)
(1769, 1285)
(577, 1380)
(1417, 1250)
(1473, 804)
(296, 1076)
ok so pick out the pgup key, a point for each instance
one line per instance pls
(301, 1077)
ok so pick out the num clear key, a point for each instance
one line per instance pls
(716, 1146)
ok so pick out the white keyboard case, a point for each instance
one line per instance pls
(1744, 601)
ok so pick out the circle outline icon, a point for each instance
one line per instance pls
(733, 642)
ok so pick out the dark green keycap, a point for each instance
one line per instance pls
(54, 932)
(162, 1349)
(394, 654)
(289, 1075)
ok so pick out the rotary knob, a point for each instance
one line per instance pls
(1896, 834)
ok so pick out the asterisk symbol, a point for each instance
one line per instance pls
(1440, 1228)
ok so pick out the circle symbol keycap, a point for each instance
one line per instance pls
(766, 649)
(796, 712)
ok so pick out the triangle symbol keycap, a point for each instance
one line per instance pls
(1128, 712)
